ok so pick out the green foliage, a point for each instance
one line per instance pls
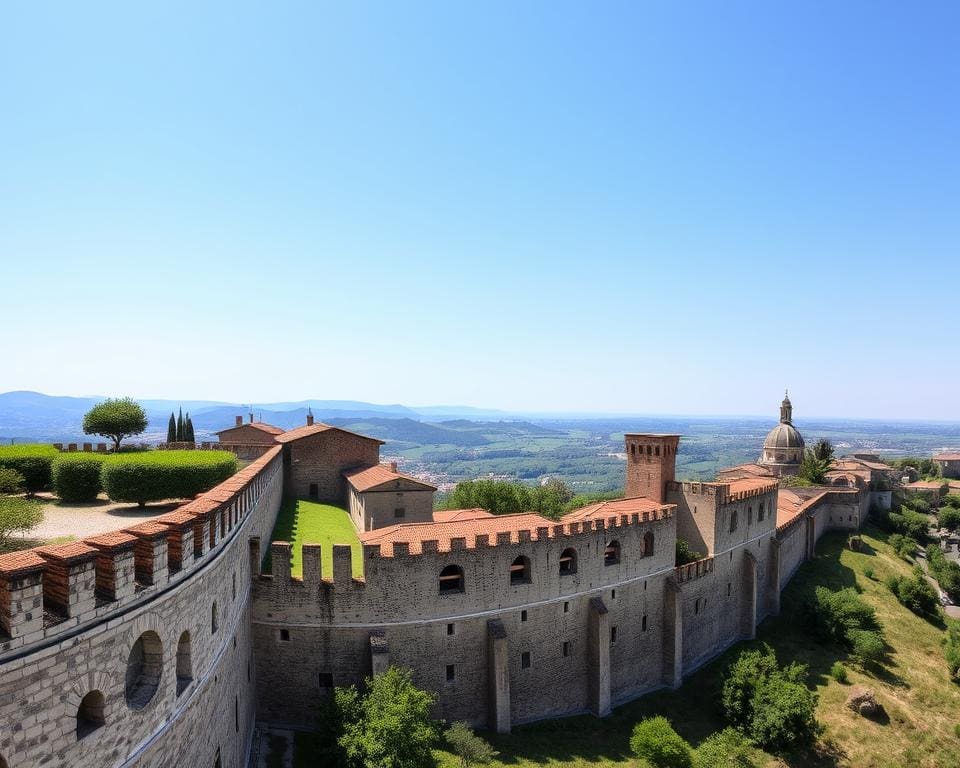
(869, 573)
(180, 426)
(390, 725)
(909, 523)
(11, 481)
(951, 649)
(952, 500)
(925, 467)
(823, 450)
(172, 429)
(655, 741)
(18, 516)
(723, 749)
(915, 593)
(502, 497)
(836, 615)
(685, 554)
(813, 469)
(32, 462)
(917, 504)
(768, 704)
(839, 672)
(76, 476)
(156, 475)
(188, 435)
(582, 500)
(867, 646)
(466, 745)
(904, 546)
(116, 419)
(949, 516)
(946, 572)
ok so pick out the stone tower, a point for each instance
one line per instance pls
(651, 464)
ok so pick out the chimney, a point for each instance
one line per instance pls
(393, 466)
(239, 421)
(309, 417)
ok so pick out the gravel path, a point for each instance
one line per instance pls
(81, 520)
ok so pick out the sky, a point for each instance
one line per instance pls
(607, 207)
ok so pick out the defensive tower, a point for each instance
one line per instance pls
(651, 464)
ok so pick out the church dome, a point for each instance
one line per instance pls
(783, 448)
(783, 436)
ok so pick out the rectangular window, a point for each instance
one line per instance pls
(326, 680)
(613, 635)
(613, 594)
(566, 648)
(285, 635)
(566, 607)
(450, 629)
(525, 660)
(451, 673)
(523, 615)
(399, 512)
(729, 587)
(314, 491)
(643, 624)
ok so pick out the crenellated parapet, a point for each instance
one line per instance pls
(49, 590)
(727, 492)
(693, 571)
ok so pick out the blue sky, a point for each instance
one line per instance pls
(618, 207)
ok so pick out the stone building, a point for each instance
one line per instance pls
(380, 496)
(783, 447)
(949, 464)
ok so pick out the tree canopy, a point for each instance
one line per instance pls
(115, 418)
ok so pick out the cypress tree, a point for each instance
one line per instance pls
(188, 430)
(172, 429)
(180, 426)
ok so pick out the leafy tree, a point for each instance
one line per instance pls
(470, 748)
(116, 419)
(909, 523)
(768, 704)
(655, 741)
(171, 429)
(685, 554)
(915, 593)
(952, 500)
(823, 450)
(18, 516)
(836, 615)
(550, 498)
(904, 546)
(11, 481)
(499, 497)
(724, 749)
(813, 469)
(946, 572)
(188, 430)
(949, 517)
(390, 725)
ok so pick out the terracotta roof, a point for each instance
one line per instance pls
(415, 534)
(147, 530)
(929, 485)
(112, 540)
(315, 429)
(21, 562)
(450, 515)
(75, 550)
(262, 426)
(605, 509)
(368, 478)
(747, 485)
(951, 456)
(744, 470)
(791, 502)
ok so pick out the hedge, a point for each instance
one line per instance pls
(156, 475)
(32, 461)
(76, 476)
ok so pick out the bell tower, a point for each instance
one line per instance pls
(651, 464)
(786, 409)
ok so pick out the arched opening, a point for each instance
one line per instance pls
(648, 544)
(214, 619)
(520, 571)
(451, 580)
(184, 663)
(144, 666)
(568, 561)
(89, 715)
(611, 553)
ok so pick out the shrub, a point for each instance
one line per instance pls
(946, 572)
(11, 481)
(869, 573)
(949, 517)
(839, 672)
(836, 615)
(32, 461)
(951, 649)
(917, 504)
(76, 476)
(867, 646)
(909, 523)
(770, 705)
(915, 593)
(727, 748)
(18, 515)
(655, 741)
(156, 475)
(904, 546)
(466, 745)
(685, 554)
(953, 500)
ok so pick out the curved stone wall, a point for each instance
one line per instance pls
(71, 618)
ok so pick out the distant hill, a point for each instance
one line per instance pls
(410, 431)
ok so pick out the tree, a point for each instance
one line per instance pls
(725, 749)
(18, 516)
(685, 554)
(949, 518)
(171, 429)
(11, 481)
(823, 450)
(180, 426)
(188, 436)
(389, 726)
(116, 419)
(470, 748)
(655, 741)
(813, 469)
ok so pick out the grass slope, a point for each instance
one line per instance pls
(308, 522)
(914, 688)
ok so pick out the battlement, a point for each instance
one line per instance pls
(47, 590)
(727, 492)
(693, 571)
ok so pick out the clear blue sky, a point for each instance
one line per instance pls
(636, 207)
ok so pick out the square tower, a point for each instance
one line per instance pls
(651, 464)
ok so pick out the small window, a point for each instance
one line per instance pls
(568, 561)
(234, 586)
(89, 715)
(613, 635)
(696, 606)
(184, 663)
(285, 635)
(314, 491)
(248, 671)
(749, 516)
(566, 607)
(214, 620)
(399, 512)
(520, 571)
(613, 594)
(760, 513)
(326, 680)
(611, 553)
(523, 615)
(729, 588)
(236, 714)
(566, 647)
(643, 623)
(451, 673)
(733, 521)
(451, 629)
(451, 580)
(525, 660)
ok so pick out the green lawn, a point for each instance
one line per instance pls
(308, 522)
(922, 704)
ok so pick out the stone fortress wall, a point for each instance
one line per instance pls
(134, 648)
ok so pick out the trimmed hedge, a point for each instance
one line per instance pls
(157, 475)
(33, 461)
(76, 476)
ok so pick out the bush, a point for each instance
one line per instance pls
(953, 500)
(946, 572)
(466, 745)
(951, 649)
(76, 476)
(156, 475)
(867, 646)
(909, 523)
(915, 593)
(869, 573)
(837, 615)
(726, 749)
(904, 546)
(11, 481)
(685, 554)
(19, 516)
(949, 517)
(839, 672)
(655, 741)
(32, 461)
(770, 705)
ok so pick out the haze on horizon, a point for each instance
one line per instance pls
(537, 208)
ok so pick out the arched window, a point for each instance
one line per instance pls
(520, 571)
(760, 513)
(733, 521)
(184, 663)
(89, 715)
(611, 553)
(214, 619)
(568, 561)
(451, 580)
(144, 666)
(648, 544)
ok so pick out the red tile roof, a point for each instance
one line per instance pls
(744, 470)
(747, 485)
(76, 550)
(17, 563)
(950, 456)
(605, 509)
(262, 426)
(450, 515)
(415, 534)
(316, 429)
(112, 540)
(368, 478)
